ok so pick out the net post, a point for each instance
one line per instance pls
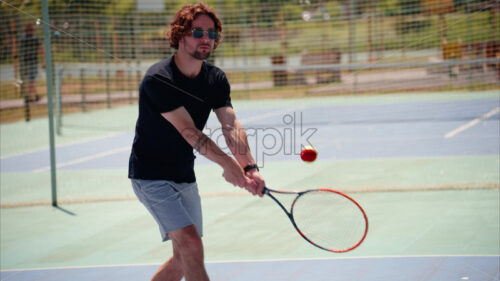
(352, 42)
(83, 90)
(129, 83)
(243, 22)
(26, 99)
(469, 42)
(58, 100)
(138, 74)
(48, 63)
(108, 90)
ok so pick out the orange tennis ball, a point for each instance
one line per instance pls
(308, 154)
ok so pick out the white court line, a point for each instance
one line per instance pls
(85, 159)
(471, 123)
(251, 261)
(270, 114)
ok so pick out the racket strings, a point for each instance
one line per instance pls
(329, 220)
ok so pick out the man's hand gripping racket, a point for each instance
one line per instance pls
(326, 218)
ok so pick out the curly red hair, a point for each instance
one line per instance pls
(182, 23)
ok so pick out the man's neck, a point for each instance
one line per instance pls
(188, 65)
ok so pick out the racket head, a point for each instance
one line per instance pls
(329, 219)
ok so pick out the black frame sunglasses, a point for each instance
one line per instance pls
(198, 33)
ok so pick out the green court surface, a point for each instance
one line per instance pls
(427, 205)
(393, 174)
(403, 222)
(247, 228)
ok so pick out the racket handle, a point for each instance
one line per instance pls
(265, 190)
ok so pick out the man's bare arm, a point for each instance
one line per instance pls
(235, 136)
(184, 124)
(236, 139)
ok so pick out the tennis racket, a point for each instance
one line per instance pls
(326, 218)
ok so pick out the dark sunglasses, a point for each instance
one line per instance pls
(198, 33)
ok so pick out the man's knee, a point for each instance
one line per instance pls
(187, 240)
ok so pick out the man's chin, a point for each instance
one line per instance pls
(201, 55)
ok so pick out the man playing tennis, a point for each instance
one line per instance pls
(175, 99)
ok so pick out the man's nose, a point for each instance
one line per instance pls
(205, 37)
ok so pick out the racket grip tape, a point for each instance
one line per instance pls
(265, 190)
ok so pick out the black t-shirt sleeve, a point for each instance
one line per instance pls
(163, 96)
(223, 90)
(29, 49)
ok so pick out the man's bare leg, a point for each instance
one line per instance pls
(189, 245)
(171, 270)
(32, 91)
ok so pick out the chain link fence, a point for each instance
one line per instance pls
(270, 49)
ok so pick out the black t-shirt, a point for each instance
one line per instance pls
(29, 49)
(159, 152)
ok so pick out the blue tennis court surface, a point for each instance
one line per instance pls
(355, 128)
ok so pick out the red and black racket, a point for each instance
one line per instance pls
(326, 218)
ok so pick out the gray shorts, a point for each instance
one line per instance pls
(173, 205)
